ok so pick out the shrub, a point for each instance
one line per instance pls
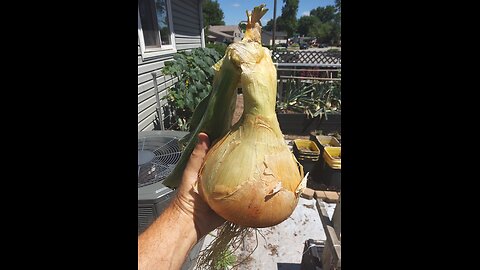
(195, 77)
(219, 47)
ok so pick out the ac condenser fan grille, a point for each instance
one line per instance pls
(156, 159)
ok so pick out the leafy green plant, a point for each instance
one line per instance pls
(226, 260)
(195, 77)
(294, 47)
(219, 47)
(312, 98)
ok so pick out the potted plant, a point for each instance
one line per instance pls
(305, 106)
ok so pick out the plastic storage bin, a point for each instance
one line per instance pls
(333, 157)
(327, 172)
(323, 141)
(306, 150)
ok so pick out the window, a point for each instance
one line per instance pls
(155, 29)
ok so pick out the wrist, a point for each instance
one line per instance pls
(187, 216)
(174, 229)
(196, 216)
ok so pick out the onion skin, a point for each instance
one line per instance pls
(241, 174)
(249, 176)
(242, 171)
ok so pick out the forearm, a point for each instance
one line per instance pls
(167, 242)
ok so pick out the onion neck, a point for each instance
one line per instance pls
(259, 76)
(260, 89)
(258, 106)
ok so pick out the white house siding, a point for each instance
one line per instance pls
(187, 26)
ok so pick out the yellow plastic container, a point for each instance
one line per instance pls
(306, 150)
(327, 141)
(323, 141)
(333, 157)
(329, 170)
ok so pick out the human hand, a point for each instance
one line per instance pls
(188, 200)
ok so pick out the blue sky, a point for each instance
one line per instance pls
(234, 10)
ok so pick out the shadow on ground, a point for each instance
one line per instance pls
(288, 266)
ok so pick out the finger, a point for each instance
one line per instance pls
(198, 154)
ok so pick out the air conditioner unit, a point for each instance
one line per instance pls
(158, 153)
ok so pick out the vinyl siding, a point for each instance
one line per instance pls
(187, 27)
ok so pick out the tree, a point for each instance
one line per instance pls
(338, 20)
(288, 20)
(327, 29)
(269, 26)
(212, 13)
(281, 25)
(336, 34)
(323, 32)
(325, 14)
(305, 23)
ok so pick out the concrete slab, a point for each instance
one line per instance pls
(281, 246)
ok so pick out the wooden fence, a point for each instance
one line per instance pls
(307, 58)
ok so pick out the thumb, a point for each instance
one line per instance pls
(198, 154)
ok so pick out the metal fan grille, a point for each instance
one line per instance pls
(157, 159)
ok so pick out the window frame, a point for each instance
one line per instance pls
(163, 49)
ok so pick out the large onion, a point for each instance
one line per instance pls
(249, 176)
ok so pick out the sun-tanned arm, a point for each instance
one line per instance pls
(167, 242)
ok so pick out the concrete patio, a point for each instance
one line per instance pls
(281, 246)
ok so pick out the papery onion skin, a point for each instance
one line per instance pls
(249, 176)
(240, 179)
